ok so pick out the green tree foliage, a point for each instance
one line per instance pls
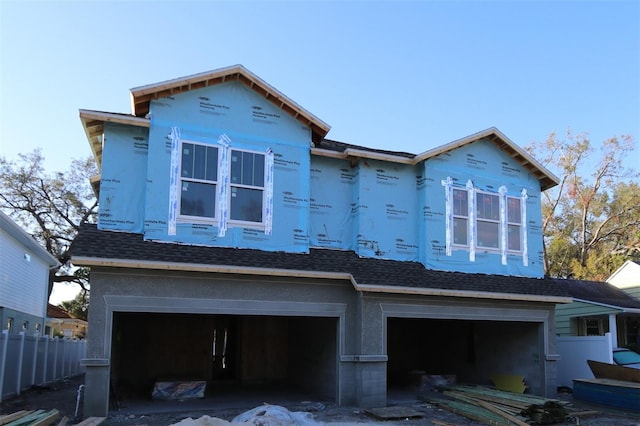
(591, 219)
(50, 206)
(78, 307)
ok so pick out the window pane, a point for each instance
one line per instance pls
(236, 166)
(460, 231)
(187, 160)
(212, 164)
(258, 170)
(487, 234)
(247, 168)
(460, 203)
(198, 199)
(488, 206)
(246, 204)
(514, 237)
(513, 210)
(200, 161)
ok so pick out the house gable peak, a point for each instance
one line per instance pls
(142, 96)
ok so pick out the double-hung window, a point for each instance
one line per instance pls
(488, 220)
(514, 224)
(198, 180)
(247, 186)
(460, 217)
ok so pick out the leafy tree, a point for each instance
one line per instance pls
(50, 206)
(78, 307)
(591, 219)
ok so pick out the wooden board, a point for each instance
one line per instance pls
(394, 413)
(603, 370)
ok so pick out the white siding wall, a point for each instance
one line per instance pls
(23, 283)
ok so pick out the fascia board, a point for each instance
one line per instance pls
(226, 269)
(614, 307)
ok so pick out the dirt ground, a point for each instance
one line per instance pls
(63, 396)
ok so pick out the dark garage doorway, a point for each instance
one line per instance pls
(472, 350)
(231, 353)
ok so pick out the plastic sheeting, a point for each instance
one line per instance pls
(179, 390)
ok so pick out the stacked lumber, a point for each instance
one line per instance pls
(496, 407)
(30, 418)
(43, 418)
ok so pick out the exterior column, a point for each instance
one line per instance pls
(613, 329)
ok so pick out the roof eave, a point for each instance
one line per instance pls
(227, 269)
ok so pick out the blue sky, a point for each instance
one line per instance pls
(405, 76)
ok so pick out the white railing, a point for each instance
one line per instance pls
(36, 360)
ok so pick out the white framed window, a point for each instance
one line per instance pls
(514, 224)
(198, 180)
(247, 187)
(488, 221)
(483, 220)
(217, 184)
(460, 217)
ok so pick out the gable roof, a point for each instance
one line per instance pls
(601, 293)
(54, 311)
(329, 148)
(95, 247)
(141, 96)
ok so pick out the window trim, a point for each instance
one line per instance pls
(223, 187)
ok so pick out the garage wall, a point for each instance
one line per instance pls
(509, 337)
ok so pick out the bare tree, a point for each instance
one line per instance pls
(590, 218)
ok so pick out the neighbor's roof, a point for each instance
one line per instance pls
(142, 96)
(95, 247)
(601, 293)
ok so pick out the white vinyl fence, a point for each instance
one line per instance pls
(575, 351)
(26, 361)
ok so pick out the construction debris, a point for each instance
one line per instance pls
(30, 418)
(394, 413)
(43, 418)
(496, 407)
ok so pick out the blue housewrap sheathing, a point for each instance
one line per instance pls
(376, 208)
(482, 167)
(123, 176)
(247, 121)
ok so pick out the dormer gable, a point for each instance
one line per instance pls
(142, 96)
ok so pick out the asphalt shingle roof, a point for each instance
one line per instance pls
(100, 244)
(600, 292)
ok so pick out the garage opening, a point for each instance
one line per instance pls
(473, 351)
(232, 353)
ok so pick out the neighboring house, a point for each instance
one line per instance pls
(627, 278)
(599, 308)
(237, 245)
(24, 279)
(61, 323)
